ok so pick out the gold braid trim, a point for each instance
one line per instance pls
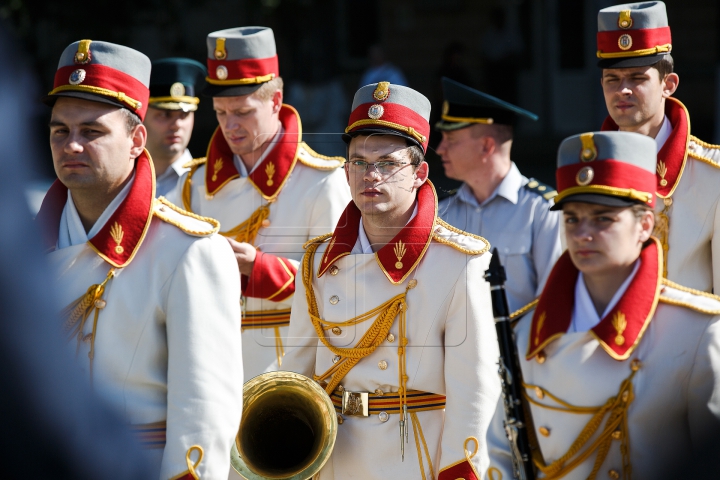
(693, 138)
(196, 162)
(318, 239)
(396, 126)
(515, 316)
(682, 303)
(440, 239)
(79, 311)
(164, 201)
(192, 466)
(247, 231)
(120, 96)
(616, 409)
(187, 186)
(332, 163)
(707, 160)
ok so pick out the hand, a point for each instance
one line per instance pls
(244, 254)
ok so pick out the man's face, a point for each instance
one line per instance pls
(247, 122)
(462, 151)
(602, 239)
(377, 193)
(634, 96)
(169, 131)
(90, 144)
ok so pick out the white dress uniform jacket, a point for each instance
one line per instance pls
(516, 219)
(450, 358)
(641, 381)
(688, 175)
(159, 336)
(292, 195)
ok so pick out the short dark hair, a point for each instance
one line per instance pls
(415, 154)
(665, 66)
(131, 120)
(500, 132)
(639, 210)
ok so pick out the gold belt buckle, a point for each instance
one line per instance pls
(355, 404)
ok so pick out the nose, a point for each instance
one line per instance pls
(625, 88)
(582, 231)
(371, 173)
(73, 144)
(441, 148)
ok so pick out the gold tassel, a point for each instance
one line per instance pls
(662, 231)
(247, 231)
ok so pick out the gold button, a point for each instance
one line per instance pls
(540, 357)
(340, 419)
(635, 365)
(617, 435)
(266, 223)
(334, 300)
(390, 338)
(663, 182)
(382, 365)
(334, 270)
(337, 330)
(383, 416)
(625, 396)
(667, 201)
(340, 388)
(336, 359)
(539, 393)
(412, 284)
(544, 431)
(613, 474)
(100, 304)
(379, 392)
(88, 338)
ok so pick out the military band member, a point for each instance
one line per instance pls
(171, 117)
(495, 200)
(392, 314)
(618, 363)
(269, 190)
(638, 82)
(152, 293)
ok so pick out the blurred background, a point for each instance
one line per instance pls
(539, 54)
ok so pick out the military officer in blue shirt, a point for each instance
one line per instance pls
(496, 201)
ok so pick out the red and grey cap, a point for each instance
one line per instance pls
(387, 109)
(103, 72)
(240, 60)
(633, 35)
(606, 168)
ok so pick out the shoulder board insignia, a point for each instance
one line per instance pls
(702, 302)
(703, 151)
(195, 162)
(542, 189)
(188, 222)
(517, 315)
(311, 158)
(458, 239)
(443, 194)
(320, 239)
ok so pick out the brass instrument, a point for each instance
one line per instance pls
(287, 430)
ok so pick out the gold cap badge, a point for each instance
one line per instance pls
(585, 176)
(177, 89)
(220, 52)
(382, 91)
(589, 150)
(82, 56)
(625, 21)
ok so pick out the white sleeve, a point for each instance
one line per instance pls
(205, 370)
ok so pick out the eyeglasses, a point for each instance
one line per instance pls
(359, 167)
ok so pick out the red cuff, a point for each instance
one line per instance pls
(272, 278)
(459, 470)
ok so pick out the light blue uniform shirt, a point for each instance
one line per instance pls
(517, 220)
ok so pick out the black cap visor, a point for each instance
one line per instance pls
(629, 62)
(597, 199)
(381, 131)
(211, 90)
(50, 100)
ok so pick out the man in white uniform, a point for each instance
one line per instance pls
(638, 82)
(171, 117)
(392, 314)
(495, 200)
(269, 190)
(618, 363)
(152, 293)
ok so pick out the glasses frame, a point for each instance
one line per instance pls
(353, 163)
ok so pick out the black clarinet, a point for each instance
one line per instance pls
(510, 374)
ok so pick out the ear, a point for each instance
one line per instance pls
(420, 175)
(670, 84)
(488, 145)
(647, 224)
(138, 137)
(277, 101)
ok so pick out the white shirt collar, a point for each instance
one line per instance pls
(240, 165)
(663, 134)
(584, 316)
(508, 189)
(72, 231)
(176, 168)
(362, 245)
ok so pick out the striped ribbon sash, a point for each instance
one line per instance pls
(150, 435)
(417, 401)
(266, 318)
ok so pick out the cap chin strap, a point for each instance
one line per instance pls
(667, 48)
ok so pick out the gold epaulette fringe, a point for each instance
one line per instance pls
(162, 201)
(196, 162)
(320, 239)
(329, 163)
(440, 239)
(517, 314)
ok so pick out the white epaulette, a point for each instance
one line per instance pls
(458, 239)
(188, 222)
(195, 162)
(311, 158)
(705, 152)
(703, 302)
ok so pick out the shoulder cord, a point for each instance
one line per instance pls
(77, 313)
(616, 427)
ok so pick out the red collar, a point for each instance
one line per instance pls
(621, 329)
(121, 236)
(673, 155)
(403, 253)
(270, 176)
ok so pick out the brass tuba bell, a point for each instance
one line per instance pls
(287, 430)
